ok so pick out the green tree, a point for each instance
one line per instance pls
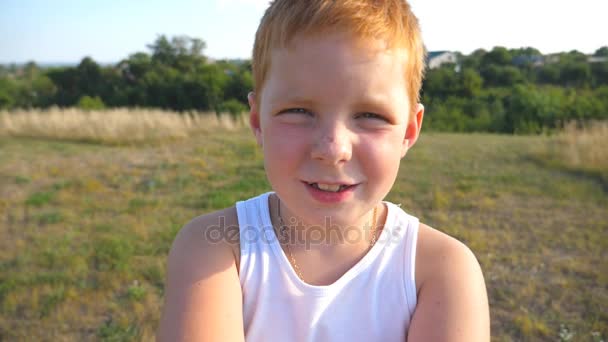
(67, 83)
(42, 91)
(548, 74)
(498, 56)
(189, 52)
(213, 81)
(448, 115)
(576, 74)
(573, 56)
(240, 81)
(90, 103)
(525, 51)
(601, 52)
(502, 76)
(601, 95)
(163, 51)
(133, 70)
(233, 107)
(473, 60)
(599, 72)
(181, 52)
(113, 89)
(7, 93)
(89, 77)
(471, 83)
(530, 109)
(582, 105)
(442, 82)
(135, 66)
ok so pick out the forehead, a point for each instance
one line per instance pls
(336, 66)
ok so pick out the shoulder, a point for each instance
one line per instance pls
(438, 255)
(208, 224)
(208, 233)
(452, 299)
(206, 236)
(202, 283)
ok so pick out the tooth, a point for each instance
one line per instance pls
(327, 187)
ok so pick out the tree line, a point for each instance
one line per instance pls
(517, 91)
(501, 90)
(175, 75)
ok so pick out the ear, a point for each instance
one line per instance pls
(254, 118)
(412, 131)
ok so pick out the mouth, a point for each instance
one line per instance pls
(330, 187)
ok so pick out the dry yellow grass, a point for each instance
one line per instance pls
(578, 148)
(114, 127)
(586, 146)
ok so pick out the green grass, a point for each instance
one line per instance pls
(86, 229)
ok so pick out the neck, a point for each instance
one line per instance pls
(326, 236)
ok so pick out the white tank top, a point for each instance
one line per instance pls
(373, 301)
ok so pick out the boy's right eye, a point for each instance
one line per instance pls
(296, 110)
(303, 116)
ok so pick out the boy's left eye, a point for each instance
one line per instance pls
(368, 115)
(296, 110)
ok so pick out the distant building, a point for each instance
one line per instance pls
(597, 59)
(435, 59)
(552, 58)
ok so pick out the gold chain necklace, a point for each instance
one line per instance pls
(293, 260)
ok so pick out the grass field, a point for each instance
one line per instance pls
(86, 223)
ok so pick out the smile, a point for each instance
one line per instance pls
(330, 187)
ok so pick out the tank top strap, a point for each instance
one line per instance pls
(405, 231)
(253, 235)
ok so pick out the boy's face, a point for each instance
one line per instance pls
(334, 111)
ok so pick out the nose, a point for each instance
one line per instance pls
(332, 145)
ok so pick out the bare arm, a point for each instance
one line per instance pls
(203, 299)
(452, 299)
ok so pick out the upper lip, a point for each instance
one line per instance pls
(331, 182)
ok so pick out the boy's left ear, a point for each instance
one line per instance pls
(412, 131)
(254, 118)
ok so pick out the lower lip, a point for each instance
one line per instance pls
(330, 197)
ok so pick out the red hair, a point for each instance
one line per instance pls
(389, 20)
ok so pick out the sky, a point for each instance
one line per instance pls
(65, 31)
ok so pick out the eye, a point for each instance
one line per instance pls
(295, 116)
(295, 110)
(368, 115)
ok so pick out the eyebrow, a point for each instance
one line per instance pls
(376, 103)
(293, 95)
(285, 98)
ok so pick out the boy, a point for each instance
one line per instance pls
(335, 109)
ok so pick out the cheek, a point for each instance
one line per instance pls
(283, 145)
(381, 155)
